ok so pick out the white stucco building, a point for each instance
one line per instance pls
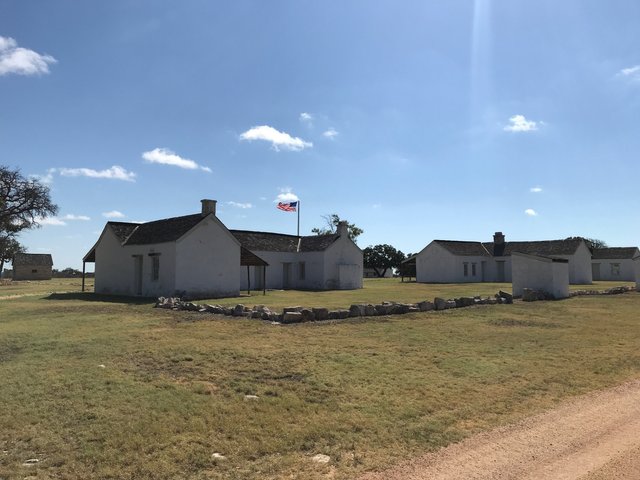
(614, 263)
(453, 261)
(550, 275)
(313, 262)
(198, 256)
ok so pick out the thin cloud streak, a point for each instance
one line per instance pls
(279, 140)
(116, 172)
(164, 156)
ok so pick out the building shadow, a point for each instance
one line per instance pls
(95, 297)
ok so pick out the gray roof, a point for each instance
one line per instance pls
(278, 242)
(458, 247)
(543, 248)
(161, 231)
(122, 229)
(615, 253)
(39, 259)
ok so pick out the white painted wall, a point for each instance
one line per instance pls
(580, 270)
(165, 284)
(313, 270)
(627, 271)
(539, 273)
(113, 270)
(207, 261)
(336, 276)
(435, 264)
(636, 261)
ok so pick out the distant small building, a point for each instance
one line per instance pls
(637, 268)
(614, 263)
(32, 266)
(536, 272)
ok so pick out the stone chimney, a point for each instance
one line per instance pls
(208, 206)
(343, 228)
(498, 238)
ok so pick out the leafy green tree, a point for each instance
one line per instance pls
(9, 247)
(381, 258)
(23, 202)
(331, 225)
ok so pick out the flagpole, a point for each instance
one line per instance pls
(298, 217)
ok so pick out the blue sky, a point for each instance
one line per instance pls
(414, 120)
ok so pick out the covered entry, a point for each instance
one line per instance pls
(249, 259)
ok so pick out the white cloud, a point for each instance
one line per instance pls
(53, 221)
(632, 73)
(278, 139)
(113, 214)
(331, 133)
(531, 212)
(46, 178)
(71, 216)
(286, 195)
(518, 123)
(114, 173)
(306, 118)
(22, 61)
(535, 189)
(240, 205)
(164, 156)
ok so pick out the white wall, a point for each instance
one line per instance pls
(113, 270)
(627, 269)
(165, 284)
(207, 261)
(580, 270)
(539, 273)
(636, 261)
(435, 264)
(343, 252)
(313, 270)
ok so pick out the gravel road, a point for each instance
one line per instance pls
(592, 437)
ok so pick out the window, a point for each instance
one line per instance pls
(615, 269)
(302, 270)
(465, 266)
(155, 266)
(473, 269)
(35, 270)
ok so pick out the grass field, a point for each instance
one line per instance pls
(97, 387)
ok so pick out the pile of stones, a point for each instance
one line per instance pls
(608, 291)
(302, 314)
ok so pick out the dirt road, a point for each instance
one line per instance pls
(592, 437)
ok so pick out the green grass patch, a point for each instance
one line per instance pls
(98, 387)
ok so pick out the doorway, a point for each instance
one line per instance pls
(286, 275)
(137, 274)
(500, 271)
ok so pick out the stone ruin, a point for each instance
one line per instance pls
(302, 314)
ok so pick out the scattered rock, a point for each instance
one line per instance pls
(356, 310)
(321, 313)
(506, 296)
(450, 304)
(291, 317)
(307, 315)
(101, 366)
(370, 310)
(238, 310)
(251, 397)
(426, 306)
(291, 309)
(30, 462)
(218, 456)
(321, 458)
(440, 303)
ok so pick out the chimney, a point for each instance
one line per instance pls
(208, 206)
(343, 228)
(498, 238)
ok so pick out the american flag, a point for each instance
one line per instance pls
(288, 207)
